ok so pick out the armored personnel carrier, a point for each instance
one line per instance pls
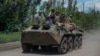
(50, 36)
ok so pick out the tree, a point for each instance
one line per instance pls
(70, 2)
(47, 5)
(62, 3)
(13, 13)
(74, 5)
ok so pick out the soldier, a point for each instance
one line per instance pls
(57, 17)
(48, 21)
(69, 19)
(62, 20)
(73, 25)
(70, 26)
(39, 19)
(52, 15)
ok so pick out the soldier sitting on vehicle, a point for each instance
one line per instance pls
(70, 26)
(39, 19)
(48, 21)
(62, 20)
(57, 17)
(52, 15)
(66, 23)
(69, 18)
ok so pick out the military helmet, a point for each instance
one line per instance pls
(57, 13)
(52, 10)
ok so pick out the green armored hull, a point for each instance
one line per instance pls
(49, 36)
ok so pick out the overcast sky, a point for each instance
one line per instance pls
(88, 4)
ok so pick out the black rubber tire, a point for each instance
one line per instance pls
(70, 42)
(26, 48)
(44, 47)
(80, 42)
(48, 48)
(76, 42)
(35, 47)
(63, 47)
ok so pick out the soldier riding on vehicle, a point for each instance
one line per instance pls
(57, 17)
(58, 35)
(39, 19)
(62, 20)
(52, 15)
(69, 24)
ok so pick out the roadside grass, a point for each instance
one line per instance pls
(10, 37)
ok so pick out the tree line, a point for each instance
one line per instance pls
(13, 13)
(86, 20)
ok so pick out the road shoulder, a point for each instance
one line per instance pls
(10, 45)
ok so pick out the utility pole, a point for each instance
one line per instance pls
(62, 3)
(83, 14)
(74, 5)
(70, 2)
(83, 7)
(95, 17)
(58, 2)
(53, 3)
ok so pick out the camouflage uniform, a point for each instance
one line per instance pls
(39, 19)
(52, 12)
(69, 19)
(62, 20)
(57, 18)
(69, 24)
(52, 15)
(48, 21)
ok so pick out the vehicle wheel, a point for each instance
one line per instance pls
(80, 42)
(35, 47)
(76, 42)
(44, 47)
(26, 47)
(70, 42)
(63, 47)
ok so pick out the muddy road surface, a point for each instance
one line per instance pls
(90, 47)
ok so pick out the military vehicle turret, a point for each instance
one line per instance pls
(50, 36)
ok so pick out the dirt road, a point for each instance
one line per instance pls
(91, 47)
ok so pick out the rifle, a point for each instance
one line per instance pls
(44, 15)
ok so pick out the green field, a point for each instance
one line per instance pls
(10, 37)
